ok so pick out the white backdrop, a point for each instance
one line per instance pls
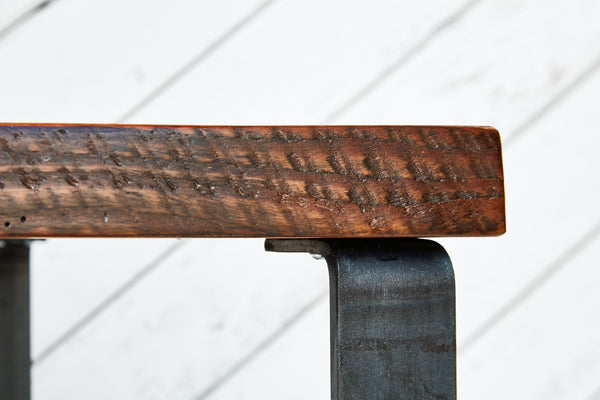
(222, 319)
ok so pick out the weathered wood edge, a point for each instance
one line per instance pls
(91, 180)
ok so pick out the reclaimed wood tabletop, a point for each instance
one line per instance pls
(256, 181)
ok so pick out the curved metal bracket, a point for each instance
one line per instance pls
(393, 332)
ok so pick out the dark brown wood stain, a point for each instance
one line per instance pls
(254, 181)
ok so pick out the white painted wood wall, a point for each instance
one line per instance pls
(221, 319)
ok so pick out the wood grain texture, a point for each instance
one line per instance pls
(217, 181)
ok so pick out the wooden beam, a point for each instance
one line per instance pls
(249, 181)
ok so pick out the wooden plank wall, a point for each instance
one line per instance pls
(212, 319)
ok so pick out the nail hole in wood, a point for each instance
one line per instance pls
(23, 219)
(7, 224)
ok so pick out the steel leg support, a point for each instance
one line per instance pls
(393, 333)
(14, 320)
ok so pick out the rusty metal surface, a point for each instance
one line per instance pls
(393, 333)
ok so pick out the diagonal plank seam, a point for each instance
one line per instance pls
(262, 346)
(563, 94)
(534, 285)
(199, 58)
(24, 17)
(501, 313)
(111, 299)
(400, 61)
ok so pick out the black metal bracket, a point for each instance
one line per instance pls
(393, 330)
(14, 320)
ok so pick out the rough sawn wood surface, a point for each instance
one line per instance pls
(256, 181)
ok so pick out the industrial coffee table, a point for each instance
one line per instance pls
(360, 196)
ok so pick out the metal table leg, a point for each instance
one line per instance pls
(14, 320)
(393, 332)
